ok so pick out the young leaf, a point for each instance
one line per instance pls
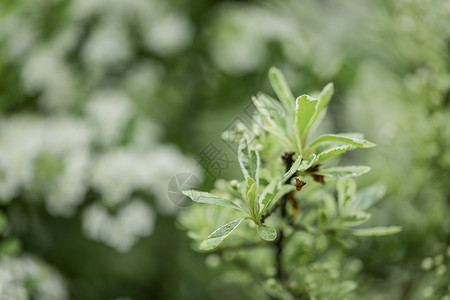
(377, 231)
(248, 159)
(294, 168)
(331, 153)
(267, 233)
(281, 88)
(215, 238)
(251, 196)
(357, 218)
(208, 198)
(324, 97)
(343, 172)
(329, 138)
(304, 110)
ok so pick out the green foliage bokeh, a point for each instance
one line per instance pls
(189, 68)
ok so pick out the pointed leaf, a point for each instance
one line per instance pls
(377, 231)
(294, 168)
(281, 88)
(328, 138)
(251, 196)
(248, 159)
(324, 98)
(208, 198)
(304, 110)
(267, 233)
(356, 219)
(215, 238)
(322, 156)
(343, 172)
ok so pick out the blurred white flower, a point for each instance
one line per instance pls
(170, 34)
(20, 36)
(25, 139)
(109, 112)
(17, 273)
(107, 45)
(45, 71)
(69, 188)
(19, 144)
(119, 172)
(121, 230)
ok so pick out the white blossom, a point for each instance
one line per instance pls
(121, 230)
(107, 45)
(109, 112)
(16, 274)
(169, 34)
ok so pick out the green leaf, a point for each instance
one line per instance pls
(322, 156)
(248, 159)
(281, 88)
(324, 98)
(251, 196)
(267, 233)
(357, 218)
(294, 168)
(305, 108)
(267, 195)
(377, 231)
(208, 198)
(215, 238)
(367, 197)
(346, 189)
(333, 138)
(343, 172)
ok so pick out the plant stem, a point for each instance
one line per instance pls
(278, 255)
(288, 161)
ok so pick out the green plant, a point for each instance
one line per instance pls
(283, 198)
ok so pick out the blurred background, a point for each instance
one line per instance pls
(104, 103)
